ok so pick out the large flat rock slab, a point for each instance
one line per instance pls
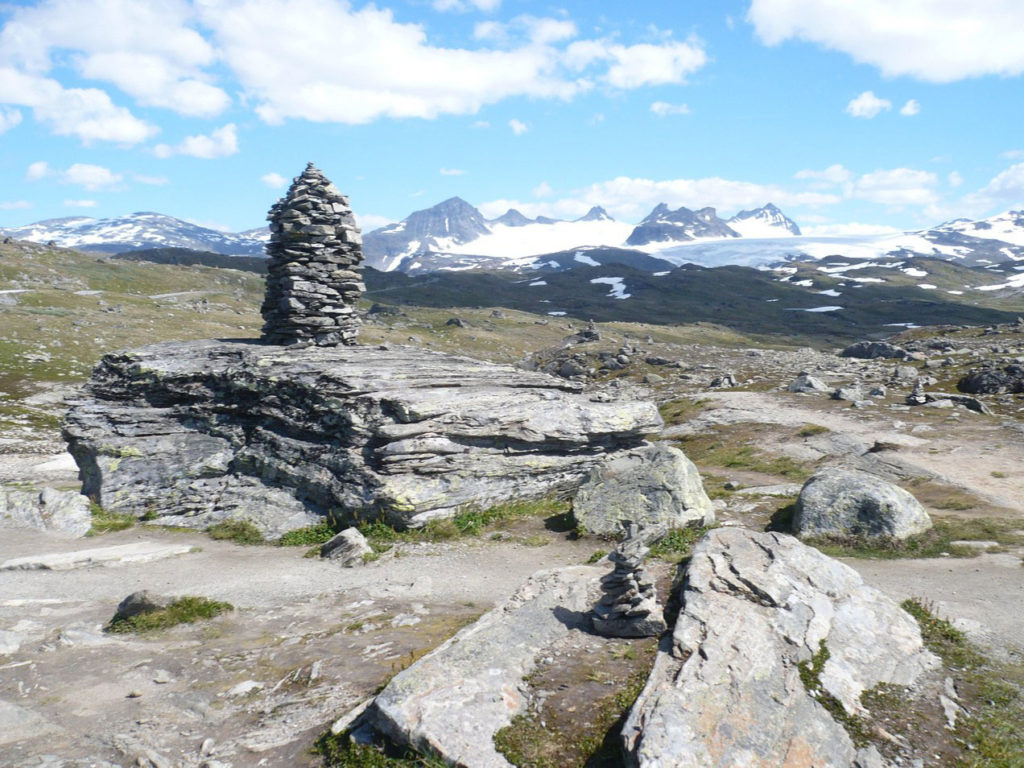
(119, 554)
(451, 702)
(727, 691)
(195, 432)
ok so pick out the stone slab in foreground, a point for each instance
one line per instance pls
(196, 432)
(451, 702)
(120, 554)
(726, 689)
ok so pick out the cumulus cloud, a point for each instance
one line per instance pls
(897, 187)
(935, 40)
(1006, 188)
(371, 221)
(462, 6)
(954, 179)
(663, 109)
(633, 66)
(90, 176)
(15, 205)
(542, 31)
(9, 118)
(222, 142)
(867, 105)
(911, 108)
(149, 50)
(37, 170)
(155, 181)
(831, 176)
(274, 180)
(87, 113)
(79, 203)
(452, 172)
(518, 126)
(542, 190)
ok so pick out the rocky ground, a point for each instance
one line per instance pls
(309, 640)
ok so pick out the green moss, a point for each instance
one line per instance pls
(308, 536)
(678, 543)
(596, 556)
(942, 638)
(810, 430)
(238, 531)
(184, 610)
(810, 675)
(106, 522)
(340, 750)
(678, 411)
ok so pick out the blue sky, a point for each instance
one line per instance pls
(851, 116)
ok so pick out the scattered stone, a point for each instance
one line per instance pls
(244, 688)
(205, 431)
(917, 395)
(993, 380)
(807, 383)
(629, 606)
(654, 485)
(314, 257)
(138, 603)
(451, 702)
(902, 373)
(725, 380)
(851, 392)
(656, 360)
(727, 690)
(458, 322)
(47, 510)
(121, 554)
(497, 314)
(846, 502)
(872, 350)
(348, 548)
(878, 391)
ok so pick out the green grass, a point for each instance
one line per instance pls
(340, 750)
(238, 531)
(677, 543)
(184, 610)
(810, 430)
(678, 411)
(106, 522)
(596, 556)
(308, 536)
(738, 448)
(937, 542)
(991, 692)
(810, 675)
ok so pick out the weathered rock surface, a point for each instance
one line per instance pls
(198, 432)
(119, 554)
(48, 510)
(314, 258)
(347, 548)
(805, 382)
(871, 350)
(652, 485)
(451, 702)
(845, 502)
(993, 380)
(726, 690)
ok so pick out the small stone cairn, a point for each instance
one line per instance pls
(313, 278)
(629, 606)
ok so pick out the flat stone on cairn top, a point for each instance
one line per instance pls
(313, 275)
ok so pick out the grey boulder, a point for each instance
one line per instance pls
(348, 548)
(872, 350)
(807, 383)
(47, 510)
(847, 502)
(727, 689)
(654, 486)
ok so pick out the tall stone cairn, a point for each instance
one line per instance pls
(629, 606)
(313, 278)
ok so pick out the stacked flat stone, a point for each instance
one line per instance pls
(313, 277)
(629, 606)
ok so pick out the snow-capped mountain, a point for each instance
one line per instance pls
(440, 228)
(767, 221)
(663, 225)
(138, 231)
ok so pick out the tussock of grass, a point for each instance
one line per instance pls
(677, 543)
(810, 430)
(238, 531)
(340, 750)
(678, 411)
(937, 542)
(308, 536)
(106, 522)
(738, 449)
(184, 610)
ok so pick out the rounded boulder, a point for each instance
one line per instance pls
(654, 485)
(846, 502)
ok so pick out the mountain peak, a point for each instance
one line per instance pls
(597, 213)
(512, 218)
(766, 221)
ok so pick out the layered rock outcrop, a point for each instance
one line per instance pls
(195, 432)
(313, 272)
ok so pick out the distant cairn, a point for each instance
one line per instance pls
(313, 275)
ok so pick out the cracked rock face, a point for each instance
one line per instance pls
(313, 272)
(726, 690)
(196, 432)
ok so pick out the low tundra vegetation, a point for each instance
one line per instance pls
(184, 610)
(107, 522)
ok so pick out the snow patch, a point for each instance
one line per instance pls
(618, 287)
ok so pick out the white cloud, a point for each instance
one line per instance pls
(79, 203)
(462, 6)
(147, 49)
(935, 40)
(15, 205)
(911, 108)
(156, 181)
(542, 190)
(634, 66)
(274, 180)
(90, 176)
(867, 105)
(222, 142)
(87, 113)
(897, 187)
(481, 124)
(851, 228)
(9, 118)
(955, 179)
(518, 126)
(1013, 154)
(663, 109)
(37, 170)
(1007, 187)
(833, 175)
(452, 172)
(541, 31)
(371, 221)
